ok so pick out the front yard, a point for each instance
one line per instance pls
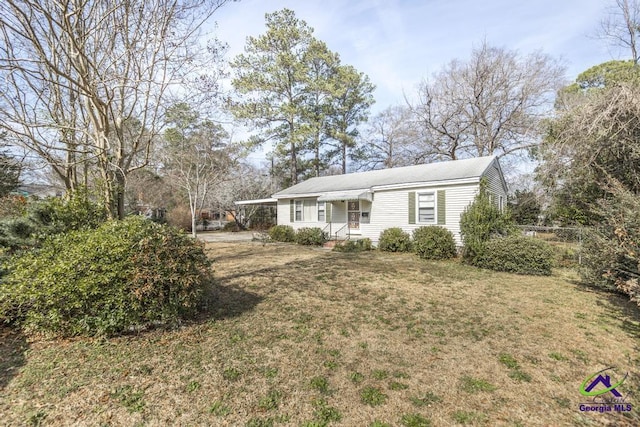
(300, 336)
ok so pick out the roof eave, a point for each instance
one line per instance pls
(470, 180)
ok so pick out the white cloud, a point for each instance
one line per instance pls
(398, 42)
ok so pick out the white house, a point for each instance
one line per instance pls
(364, 204)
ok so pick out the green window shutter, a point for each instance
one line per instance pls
(412, 207)
(291, 208)
(327, 212)
(442, 207)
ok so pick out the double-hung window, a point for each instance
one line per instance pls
(321, 211)
(426, 207)
(298, 210)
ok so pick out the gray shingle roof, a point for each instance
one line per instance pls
(443, 171)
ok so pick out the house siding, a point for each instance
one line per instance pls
(495, 184)
(391, 209)
(310, 215)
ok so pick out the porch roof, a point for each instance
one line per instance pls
(268, 201)
(333, 196)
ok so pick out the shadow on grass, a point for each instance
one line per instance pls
(617, 305)
(627, 312)
(13, 346)
(228, 302)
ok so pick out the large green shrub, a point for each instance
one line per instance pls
(105, 281)
(434, 242)
(313, 236)
(394, 240)
(282, 233)
(480, 222)
(517, 254)
(51, 216)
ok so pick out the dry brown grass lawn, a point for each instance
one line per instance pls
(300, 336)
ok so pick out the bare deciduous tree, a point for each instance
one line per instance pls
(244, 182)
(490, 104)
(622, 25)
(389, 140)
(84, 82)
(195, 156)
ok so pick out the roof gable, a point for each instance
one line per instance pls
(432, 172)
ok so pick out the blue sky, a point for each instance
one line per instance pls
(399, 42)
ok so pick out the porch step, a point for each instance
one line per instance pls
(330, 244)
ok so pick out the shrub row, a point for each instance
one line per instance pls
(304, 236)
(105, 281)
(430, 242)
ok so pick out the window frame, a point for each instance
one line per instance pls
(323, 210)
(297, 203)
(434, 194)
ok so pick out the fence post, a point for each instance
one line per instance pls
(580, 246)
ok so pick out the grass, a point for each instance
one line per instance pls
(468, 417)
(426, 399)
(299, 336)
(415, 420)
(373, 396)
(476, 385)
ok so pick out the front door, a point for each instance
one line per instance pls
(353, 214)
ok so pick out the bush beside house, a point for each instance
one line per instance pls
(282, 233)
(311, 236)
(394, 240)
(480, 222)
(434, 242)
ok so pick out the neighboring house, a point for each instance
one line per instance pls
(39, 190)
(364, 204)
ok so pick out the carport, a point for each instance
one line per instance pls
(259, 211)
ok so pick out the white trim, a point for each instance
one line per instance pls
(417, 184)
(359, 210)
(295, 210)
(323, 210)
(424, 184)
(298, 196)
(256, 201)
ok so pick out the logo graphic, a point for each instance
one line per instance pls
(605, 381)
(604, 391)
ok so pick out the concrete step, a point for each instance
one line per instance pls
(330, 244)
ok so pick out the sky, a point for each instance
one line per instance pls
(397, 43)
